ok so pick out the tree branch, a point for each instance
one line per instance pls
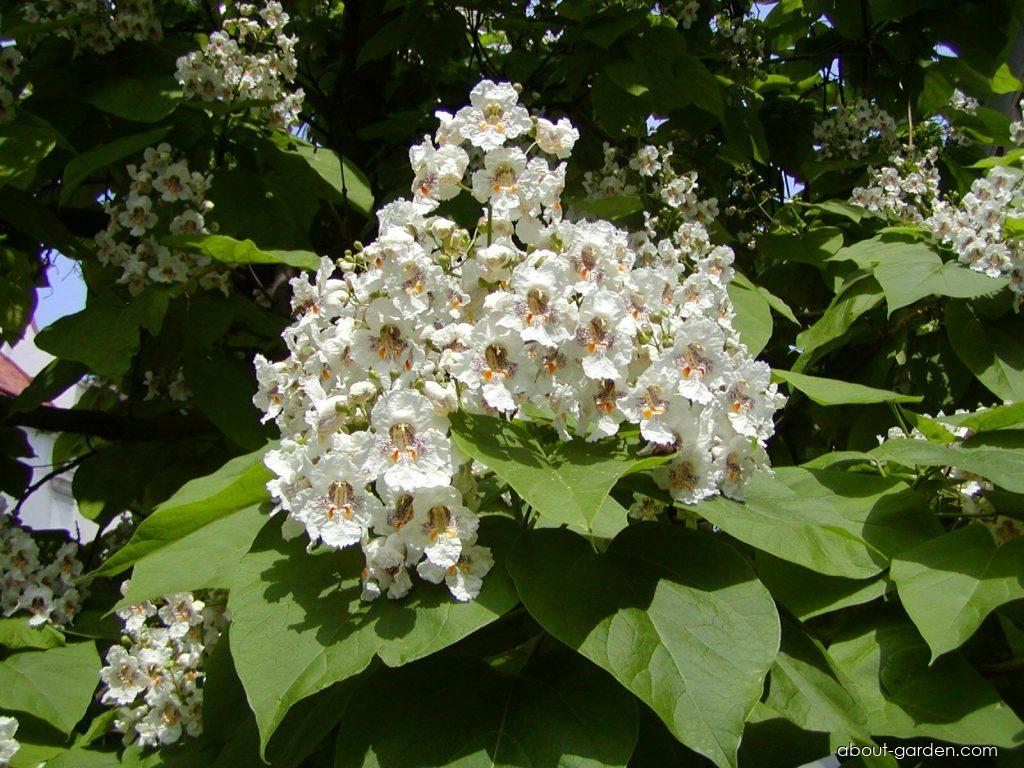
(110, 426)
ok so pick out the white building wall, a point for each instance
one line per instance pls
(52, 506)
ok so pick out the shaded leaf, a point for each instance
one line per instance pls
(283, 597)
(950, 584)
(676, 616)
(559, 712)
(566, 482)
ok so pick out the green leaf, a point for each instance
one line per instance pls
(385, 41)
(610, 208)
(105, 335)
(753, 317)
(804, 688)
(222, 390)
(1010, 158)
(78, 757)
(560, 712)
(993, 352)
(1003, 466)
(676, 616)
(24, 143)
(866, 254)
(916, 271)
(603, 31)
(79, 169)
(950, 584)
(998, 417)
(55, 685)
(204, 559)
(836, 392)
(339, 176)
(884, 662)
(832, 522)
(228, 250)
(117, 477)
(806, 593)
(566, 482)
(774, 301)
(199, 503)
(811, 247)
(283, 597)
(51, 382)
(142, 99)
(17, 634)
(18, 275)
(857, 295)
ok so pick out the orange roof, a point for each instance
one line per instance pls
(12, 379)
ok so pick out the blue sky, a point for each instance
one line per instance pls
(65, 294)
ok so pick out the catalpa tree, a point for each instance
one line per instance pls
(535, 384)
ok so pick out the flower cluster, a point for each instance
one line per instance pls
(8, 744)
(906, 188)
(961, 102)
(970, 490)
(108, 23)
(741, 43)
(34, 583)
(856, 131)
(10, 67)
(155, 678)
(613, 179)
(250, 59)
(173, 385)
(974, 226)
(164, 197)
(593, 325)
(650, 170)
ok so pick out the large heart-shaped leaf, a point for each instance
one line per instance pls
(884, 662)
(950, 584)
(566, 482)
(197, 504)
(836, 523)
(911, 271)
(676, 616)
(55, 685)
(807, 593)
(299, 625)
(805, 689)
(559, 712)
(203, 559)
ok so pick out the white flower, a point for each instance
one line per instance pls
(172, 182)
(604, 338)
(137, 215)
(441, 525)
(499, 182)
(492, 117)
(410, 450)
(156, 678)
(439, 172)
(558, 138)
(123, 675)
(691, 475)
(582, 320)
(386, 569)
(8, 745)
(737, 460)
(465, 578)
